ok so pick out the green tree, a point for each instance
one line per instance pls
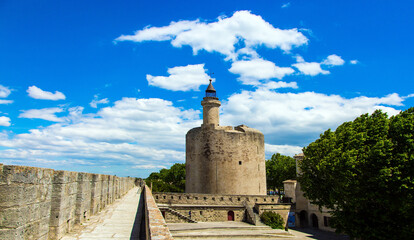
(168, 180)
(364, 173)
(278, 169)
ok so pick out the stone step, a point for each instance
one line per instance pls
(231, 233)
(253, 228)
(178, 214)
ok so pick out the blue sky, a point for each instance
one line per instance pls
(113, 86)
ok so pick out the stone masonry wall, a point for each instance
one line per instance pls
(41, 203)
(25, 202)
(155, 225)
(212, 199)
(204, 213)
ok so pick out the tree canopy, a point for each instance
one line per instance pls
(168, 180)
(364, 173)
(278, 169)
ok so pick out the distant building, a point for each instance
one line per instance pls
(306, 214)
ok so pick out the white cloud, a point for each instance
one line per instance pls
(149, 166)
(287, 150)
(45, 114)
(37, 93)
(310, 68)
(354, 61)
(159, 33)
(132, 132)
(4, 91)
(280, 84)
(2, 101)
(94, 103)
(252, 71)
(183, 78)
(333, 60)
(243, 27)
(4, 121)
(298, 118)
(286, 5)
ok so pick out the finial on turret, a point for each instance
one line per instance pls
(210, 92)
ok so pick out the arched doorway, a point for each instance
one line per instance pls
(230, 216)
(314, 220)
(303, 218)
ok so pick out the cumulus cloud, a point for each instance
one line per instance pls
(310, 68)
(4, 121)
(4, 91)
(354, 62)
(37, 93)
(94, 103)
(287, 150)
(252, 71)
(333, 60)
(48, 114)
(2, 101)
(149, 166)
(132, 132)
(298, 118)
(280, 84)
(183, 78)
(243, 27)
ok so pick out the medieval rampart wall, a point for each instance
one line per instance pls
(41, 203)
(212, 199)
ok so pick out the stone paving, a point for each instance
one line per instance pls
(114, 222)
(241, 230)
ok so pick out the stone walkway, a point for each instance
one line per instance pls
(244, 231)
(114, 222)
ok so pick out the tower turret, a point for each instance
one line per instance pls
(211, 106)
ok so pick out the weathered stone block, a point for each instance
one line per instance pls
(11, 195)
(12, 233)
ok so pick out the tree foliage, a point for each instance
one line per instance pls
(272, 219)
(364, 172)
(168, 180)
(278, 169)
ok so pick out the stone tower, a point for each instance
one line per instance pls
(223, 159)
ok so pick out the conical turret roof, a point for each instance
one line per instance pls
(210, 87)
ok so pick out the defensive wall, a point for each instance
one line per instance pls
(42, 203)
(198, 207)
(151, 219)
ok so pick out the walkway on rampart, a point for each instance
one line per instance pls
(114, 222)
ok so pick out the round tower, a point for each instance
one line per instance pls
(223, 159)
(211, 106)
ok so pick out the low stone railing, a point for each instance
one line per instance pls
(155, 225)
(42, 203)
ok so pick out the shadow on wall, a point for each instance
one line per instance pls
(139, 222)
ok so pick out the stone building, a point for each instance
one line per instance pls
(225, 174)
(306, 213)
(219, 159)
